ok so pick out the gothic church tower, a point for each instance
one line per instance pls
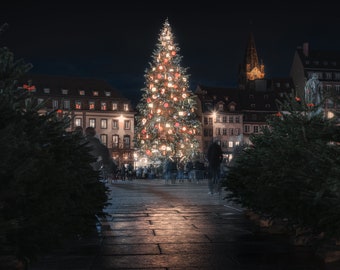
(251, 69)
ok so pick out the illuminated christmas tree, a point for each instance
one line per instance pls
(167, 124)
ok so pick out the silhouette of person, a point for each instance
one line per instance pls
(215, 157)
(100, 152)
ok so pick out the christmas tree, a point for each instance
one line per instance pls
(167, 125)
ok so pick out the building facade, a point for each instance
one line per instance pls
(323, 64)
(89, 103)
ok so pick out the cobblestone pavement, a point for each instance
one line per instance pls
(153, 225)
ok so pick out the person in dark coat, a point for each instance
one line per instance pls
(215, 157)
(100, 152)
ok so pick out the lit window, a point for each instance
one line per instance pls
(103, 106)
(115, 141)
(231, 144)
(114, 106)
(78, 104)
(115, 124)
(126, 107)
(107, 93)
(91, 105)
(127, 124)
(78, 122)
(92, 122)
(95, 93)
(103, 123)
(64, 91)
(103, 138)
(82, 92)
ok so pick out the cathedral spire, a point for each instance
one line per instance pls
(251, 69)
(251, 60)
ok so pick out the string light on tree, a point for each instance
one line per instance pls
(167, 125)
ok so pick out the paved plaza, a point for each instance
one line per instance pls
(153, 225)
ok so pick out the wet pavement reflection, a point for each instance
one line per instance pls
(153, 225)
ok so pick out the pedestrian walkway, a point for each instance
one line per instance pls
(153, 225)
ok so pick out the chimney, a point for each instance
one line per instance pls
(305, 49)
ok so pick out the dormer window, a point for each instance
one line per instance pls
(95, 93)
(82, 92)
(46, 90)
(78, 104)
(107, 93)
(126, 107)
(91, 105)
(64, 91)
(232, 108)
(220, 107)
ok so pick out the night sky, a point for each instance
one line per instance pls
(115, 41)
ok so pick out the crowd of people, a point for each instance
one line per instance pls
(171, 170)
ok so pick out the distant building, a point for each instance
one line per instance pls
(231, 115)
(89, 102)
(325, 64)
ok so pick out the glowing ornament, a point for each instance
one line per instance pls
(176, 124)
(184, 95)
(173, 53)
(159, 76)
(148, 100)
(143, 121)
(166, 105)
